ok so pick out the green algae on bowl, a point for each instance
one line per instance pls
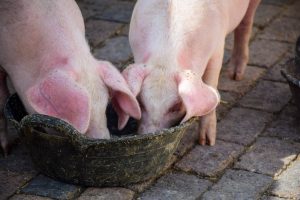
(70, 156)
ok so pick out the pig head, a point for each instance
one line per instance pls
(168, 97)
(45, 55)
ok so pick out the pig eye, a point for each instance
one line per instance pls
(176, 107)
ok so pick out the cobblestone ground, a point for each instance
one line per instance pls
(258, 145)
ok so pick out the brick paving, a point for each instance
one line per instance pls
(257, 154)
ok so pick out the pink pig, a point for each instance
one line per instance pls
(178, 49)
(45, 55)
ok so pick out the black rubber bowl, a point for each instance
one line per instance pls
(291, 73)
(69, 156)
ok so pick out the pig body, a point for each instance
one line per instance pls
(45, 55)
(178, 50)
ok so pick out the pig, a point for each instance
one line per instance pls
(178, 49)
(44, 53)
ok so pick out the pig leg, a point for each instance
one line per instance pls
(3, 125)
(208, 123)
(240, 52)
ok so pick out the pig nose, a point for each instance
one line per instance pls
(144, 129)
(98, 133)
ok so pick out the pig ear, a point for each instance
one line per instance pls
(198, 98)
(134, 75)
(58, 95)
(123, 100)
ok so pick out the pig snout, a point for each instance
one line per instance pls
(151, 126)
(145, 129)
(148, 125)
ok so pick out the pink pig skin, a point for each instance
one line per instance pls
(178, 48)
(45, 55)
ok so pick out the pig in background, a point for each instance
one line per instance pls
(44, 53)
(178, 49)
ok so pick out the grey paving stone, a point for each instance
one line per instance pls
(266, 53)
(282, 29)
(278, 2)
(268, 156)
(85, 10)
(28, 197)
(293, 10)
(229, 41)
(271, 198)
(210, 160)
(107, 194)
(98, 30)
(125, 30)
(18, 161)
(47, 187)
(268, 96)
(97, 2)
(274, 73)
(287, 126)
(239, 185)
(119, 11)
(116, 50)
(226, 57)
(240, 87)
(97, 6)
(10, 182)
(189, 139)
(228, 99)
(140, 187)
(265, 13)
(242, 125)
(291, 51)
(175, 186)
(288, 183)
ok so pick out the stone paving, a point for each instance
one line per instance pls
(257, 154)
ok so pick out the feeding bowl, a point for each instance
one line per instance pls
(69, 156)
(291, 73)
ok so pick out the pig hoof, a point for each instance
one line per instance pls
(212, 143)
(236, 71)
(202, 142)
(207, 134)
(237, 76)
(207, 139)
